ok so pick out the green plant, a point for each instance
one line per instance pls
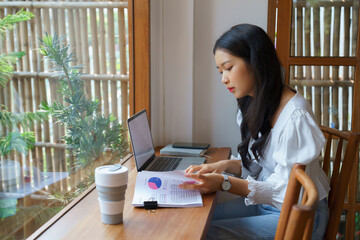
(13, 139)
(88, 132)
(10, 137)
(7, 61)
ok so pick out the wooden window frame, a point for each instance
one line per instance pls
(139, 57)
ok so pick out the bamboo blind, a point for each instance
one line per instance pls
(325, 29)
(98, 35)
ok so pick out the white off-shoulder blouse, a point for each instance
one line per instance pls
(295, 138)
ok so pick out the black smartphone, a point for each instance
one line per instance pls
(191, 145)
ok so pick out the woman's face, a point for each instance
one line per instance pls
(236, 75)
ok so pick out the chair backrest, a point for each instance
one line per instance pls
(344, 155)
(296, 220)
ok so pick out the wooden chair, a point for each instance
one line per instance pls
(296, 220)
(340, 177)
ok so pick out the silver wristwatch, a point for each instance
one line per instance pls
(226, 185)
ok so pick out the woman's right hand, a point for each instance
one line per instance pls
(217, 167)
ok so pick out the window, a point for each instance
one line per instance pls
(36, 183)
(318, 45)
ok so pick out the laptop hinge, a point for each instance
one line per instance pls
(147, 163)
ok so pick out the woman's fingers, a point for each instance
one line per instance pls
(191, 169)
(190, 186)
(207, 169)
(196, 176)
(195, 168)
(217, 167)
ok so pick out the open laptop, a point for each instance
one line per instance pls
(144, 152)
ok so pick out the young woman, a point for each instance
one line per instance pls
(277, 129)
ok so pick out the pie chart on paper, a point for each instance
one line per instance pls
(154, 183)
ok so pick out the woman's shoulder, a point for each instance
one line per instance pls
(296, 108)
(298, 128)
(300, 103)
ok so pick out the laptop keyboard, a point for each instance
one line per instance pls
(165, 164)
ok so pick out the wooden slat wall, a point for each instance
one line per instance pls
(299, 46)
(326, 76)
(103, 61)
(95, 52)
(335, 74)
(73, 47)
(321, 85)
(317, 69)
(307, 37)
(97, 33)
(123, 64)
(345, 90)
(335, 69)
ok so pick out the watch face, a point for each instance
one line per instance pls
(226, 186)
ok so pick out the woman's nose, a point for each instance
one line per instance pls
(224, 79)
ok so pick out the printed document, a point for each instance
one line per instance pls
(163, 188)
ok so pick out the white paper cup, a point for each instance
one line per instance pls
(111, 183)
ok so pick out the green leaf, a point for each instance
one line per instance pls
(7, 61)
(16, 141)
(7, 23)
(6, 67)
(10, 120)
(112, 118)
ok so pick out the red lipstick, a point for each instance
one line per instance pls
(231, 89)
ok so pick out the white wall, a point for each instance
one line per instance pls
(188, 101)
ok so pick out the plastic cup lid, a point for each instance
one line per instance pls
(111, 175)
(111, 169)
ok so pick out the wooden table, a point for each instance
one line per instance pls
(83, 220)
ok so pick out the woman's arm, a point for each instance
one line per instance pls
(231, 166)
(234, 167)
(211, 182)
(239, 186)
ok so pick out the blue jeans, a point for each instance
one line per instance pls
(235, 220)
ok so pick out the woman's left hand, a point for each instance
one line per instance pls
(207, 182)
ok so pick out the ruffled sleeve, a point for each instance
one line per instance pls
(299, 141)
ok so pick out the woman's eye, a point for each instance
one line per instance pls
(228, 69)
(220, 73)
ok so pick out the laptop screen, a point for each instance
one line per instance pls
(141, 139)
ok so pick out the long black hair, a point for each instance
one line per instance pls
(254, 46)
